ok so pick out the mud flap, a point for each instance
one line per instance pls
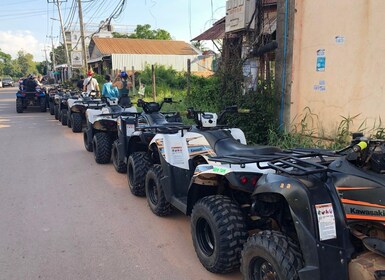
(375, 245)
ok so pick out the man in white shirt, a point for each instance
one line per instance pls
(90, 83)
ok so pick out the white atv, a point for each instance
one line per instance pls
(187, 174)
(101, 130)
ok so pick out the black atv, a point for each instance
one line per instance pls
(52, 91)
(62, 107)
(323, 215)
(77, 106)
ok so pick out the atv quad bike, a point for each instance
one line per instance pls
(51, 98)
(77, 106)
(24, 99)
(101, 130)
(129, 149)
(184, 176)
(63, 105)
(323, 215)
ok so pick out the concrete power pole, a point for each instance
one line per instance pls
(82, 34)
(64, 40)
(284, 60)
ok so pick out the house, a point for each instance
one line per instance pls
(108, 54)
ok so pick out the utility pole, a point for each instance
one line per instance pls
(82, 34)
(64, 40)
(53, 56)
(57, 2)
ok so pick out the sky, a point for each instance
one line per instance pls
(27, 25)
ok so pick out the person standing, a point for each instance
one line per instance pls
(90, 83)
(79, 84)
(122, 83)
(108, 90)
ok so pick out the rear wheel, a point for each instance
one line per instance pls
(69, 118)
(120, 166)
(270, 255)
(102, 147)
(219, 231)
(154, 192)
(87, 142)
(43, 105)
(19, 105)
(76, 124)
(137, 166)
(63, 116)
(56, 111)
(51, 108)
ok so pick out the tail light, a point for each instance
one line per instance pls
(244, 180)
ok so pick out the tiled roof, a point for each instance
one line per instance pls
(142, 46)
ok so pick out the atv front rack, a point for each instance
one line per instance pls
(292, 162)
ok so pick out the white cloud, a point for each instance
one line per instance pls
(11, 42)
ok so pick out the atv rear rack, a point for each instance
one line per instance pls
(169, 128)
(292, 162)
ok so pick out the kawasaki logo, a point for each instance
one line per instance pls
(367, 212)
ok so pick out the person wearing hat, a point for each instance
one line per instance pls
(90, 83)
(122, 83)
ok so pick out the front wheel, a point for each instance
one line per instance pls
(155, 193)
(137, 166)
(102, 148)
(120, 166)
(270, 255)
(218, 230)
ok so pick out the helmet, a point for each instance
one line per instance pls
(123, 74)
(90, 73)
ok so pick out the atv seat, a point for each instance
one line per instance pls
(159, 119)
(224, 144)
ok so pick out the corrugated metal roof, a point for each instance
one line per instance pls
(217, 31)
(142, 46)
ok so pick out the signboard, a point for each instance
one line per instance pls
(76, 59)
(239, 13)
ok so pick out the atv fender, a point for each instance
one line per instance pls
(323, 259)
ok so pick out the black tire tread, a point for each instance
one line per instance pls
(19, 105)
(283, 249)
(63, 117)
(232, 230)
(163, 207)
(120, 166)
(141, 163)
(102, 148)
(77, 123)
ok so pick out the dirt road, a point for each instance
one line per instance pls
(63, 216)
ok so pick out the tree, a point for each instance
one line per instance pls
(145, 32)
(25, 63)
(60, 57)
(5, 60)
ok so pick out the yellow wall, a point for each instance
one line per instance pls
(354, 75)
